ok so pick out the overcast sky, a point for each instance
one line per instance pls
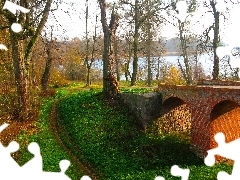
(72, 21)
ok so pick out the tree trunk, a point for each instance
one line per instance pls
(126, 71)
(88, 75)
(21, 79)
(149, 81)
(110, 85)
(46, 74)
(135, 44)
(116, 58)
(87, 46)
(187, 72)
(215, 42)
(148, 28)
(126, 66)
(89, 64)
(135, 59)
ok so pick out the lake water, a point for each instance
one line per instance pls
(205, 60)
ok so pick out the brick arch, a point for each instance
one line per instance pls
(167, 98)
(224, 117)
(222, 107)
(176, 115)
(205, 101)
(172, 102)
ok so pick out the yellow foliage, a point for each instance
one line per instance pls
(173, 76)
(57, 79)
(75, 57)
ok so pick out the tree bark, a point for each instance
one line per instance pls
(87, 46)
(215, 41)
(126, 65)
(149, 40)
(115, 44)
(21, 79)
(110, 84)
(135, 44)
(46, 74)
(89, 64)
(187, 72)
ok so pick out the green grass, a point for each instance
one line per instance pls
(52, 152)
(139, 83)
(109, 140)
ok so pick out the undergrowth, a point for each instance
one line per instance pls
(136, 90)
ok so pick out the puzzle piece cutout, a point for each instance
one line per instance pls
(3, 126)
(177, 172)
(13, 8)
(182, 10)
(220, 5)
(33, 168)
(233, 52)
(2, 46)
(85, 178)
(16, 27)
(232, 49)
(228, 150)
(35, 164)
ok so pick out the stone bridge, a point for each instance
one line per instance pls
(212, 107)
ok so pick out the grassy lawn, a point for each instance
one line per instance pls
(109, 140)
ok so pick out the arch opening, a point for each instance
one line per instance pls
(222, 108)
(225, 118)
(172, 103)
(175, 117)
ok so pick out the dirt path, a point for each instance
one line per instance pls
(15, 128)
(86, 169)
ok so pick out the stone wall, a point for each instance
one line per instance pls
(146, 106)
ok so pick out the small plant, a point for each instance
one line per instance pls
(136, 90)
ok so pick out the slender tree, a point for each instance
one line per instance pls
(212, 44)
(46, 73)
(139, 17)
(93, 50)
(185, 39)
(216, 40)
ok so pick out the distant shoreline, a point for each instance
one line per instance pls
(171, 54)
(176, 53)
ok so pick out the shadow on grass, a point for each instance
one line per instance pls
(110, 140)
(148, 154)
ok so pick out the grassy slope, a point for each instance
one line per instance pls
(51, 150)
(109, 140)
